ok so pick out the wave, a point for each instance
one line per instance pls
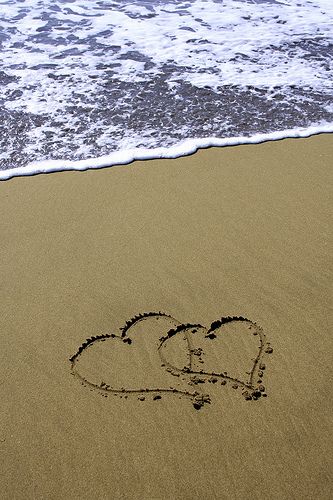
(101, 82)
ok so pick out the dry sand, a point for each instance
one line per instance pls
(241, 231)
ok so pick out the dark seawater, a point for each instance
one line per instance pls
(83, 79)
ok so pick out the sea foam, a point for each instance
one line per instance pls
(85, 84)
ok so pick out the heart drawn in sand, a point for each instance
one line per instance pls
(156, 355)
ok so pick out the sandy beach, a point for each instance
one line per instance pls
(241, 232)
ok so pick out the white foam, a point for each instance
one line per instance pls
(205, 43)
(229, 43)
(184, 148)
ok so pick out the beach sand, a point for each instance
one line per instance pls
(242, 231)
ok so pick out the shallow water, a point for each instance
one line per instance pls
(84, 79)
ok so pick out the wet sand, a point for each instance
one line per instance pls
(101, 398)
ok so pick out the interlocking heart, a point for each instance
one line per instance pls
(156, 355)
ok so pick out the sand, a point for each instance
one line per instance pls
(242, 232)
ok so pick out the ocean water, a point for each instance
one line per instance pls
(90, 83)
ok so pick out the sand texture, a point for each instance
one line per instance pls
(165, 328)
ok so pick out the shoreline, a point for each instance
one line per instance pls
(106, 263)
(184, 148)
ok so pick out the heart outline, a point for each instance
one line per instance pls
(198, 399)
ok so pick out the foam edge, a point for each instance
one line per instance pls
(184, 148)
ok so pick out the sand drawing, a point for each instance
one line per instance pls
(155, 355)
